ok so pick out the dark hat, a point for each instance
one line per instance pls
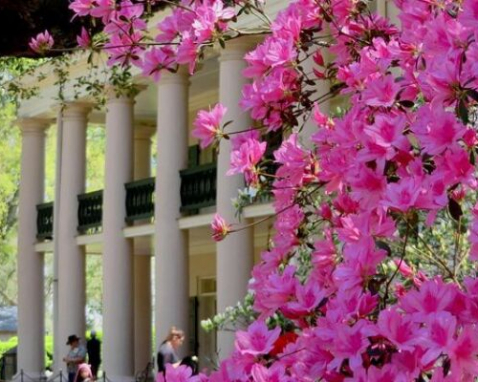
(72, 339)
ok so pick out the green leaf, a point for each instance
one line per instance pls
(382, 245)
(462, 112)
(455, 209)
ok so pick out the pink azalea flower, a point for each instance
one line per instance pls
(238, 139)
(434, 296)
(42, 43)
(469, 15)
(438, 336)
(397, 328)
(386, 374)
(245, 159)
(157, 59)
(403, 195)
(276, 373)
(309, 297)
(220, 228)
(84, 39)
(207, 126)
(124, 49)
(404, 269)
(257, 340)
(463, 353)
(381, 91)
(187, 52)
(211, 17)
(387, 131)
(437, 129)
(103, 9)
(82, 7)
(273, 289)
(177, 374)
(349, 342)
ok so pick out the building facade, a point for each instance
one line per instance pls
(137, 216)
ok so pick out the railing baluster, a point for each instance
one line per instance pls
(45, 221)
(198, 187)
(90, 211)
(140, 200)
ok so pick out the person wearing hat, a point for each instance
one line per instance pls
(93, 346)
(75, 357)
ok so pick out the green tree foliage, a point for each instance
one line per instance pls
(10, 147)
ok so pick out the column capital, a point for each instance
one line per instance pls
(33, 125)
(144, 130)
(181, 77)
(237, 48)
(115, 95)
(75, 110)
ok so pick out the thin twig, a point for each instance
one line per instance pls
(435, 259)
(402, 257)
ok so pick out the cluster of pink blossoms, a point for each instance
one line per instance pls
(181, 38)
(402, 154)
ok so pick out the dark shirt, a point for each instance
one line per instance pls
(93, 346)
(166, 354)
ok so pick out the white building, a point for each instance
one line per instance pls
(136, 217)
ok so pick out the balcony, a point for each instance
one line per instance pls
(198, 190)
(198, 187)
(140, 200)
(90, 211)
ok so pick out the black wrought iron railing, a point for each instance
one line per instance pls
(140, 200)
(198, 187)
(45, 221)
(90, 211)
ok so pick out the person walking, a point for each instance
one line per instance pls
(75, 356)
(93, 347)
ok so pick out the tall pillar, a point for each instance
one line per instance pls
(234, 255)
(71, 257)
(381, 7)
(171, 244)
(393, 13)
(31, 326)
(142, 261)
(118, 326)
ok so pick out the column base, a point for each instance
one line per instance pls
(30, 376)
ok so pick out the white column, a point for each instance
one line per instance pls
(393, 12)
(234, 255)
(31, 350)
(381, 6)
(118, 326)
(71, 257)
(142, 261)
(57, 342)
(171, 244)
